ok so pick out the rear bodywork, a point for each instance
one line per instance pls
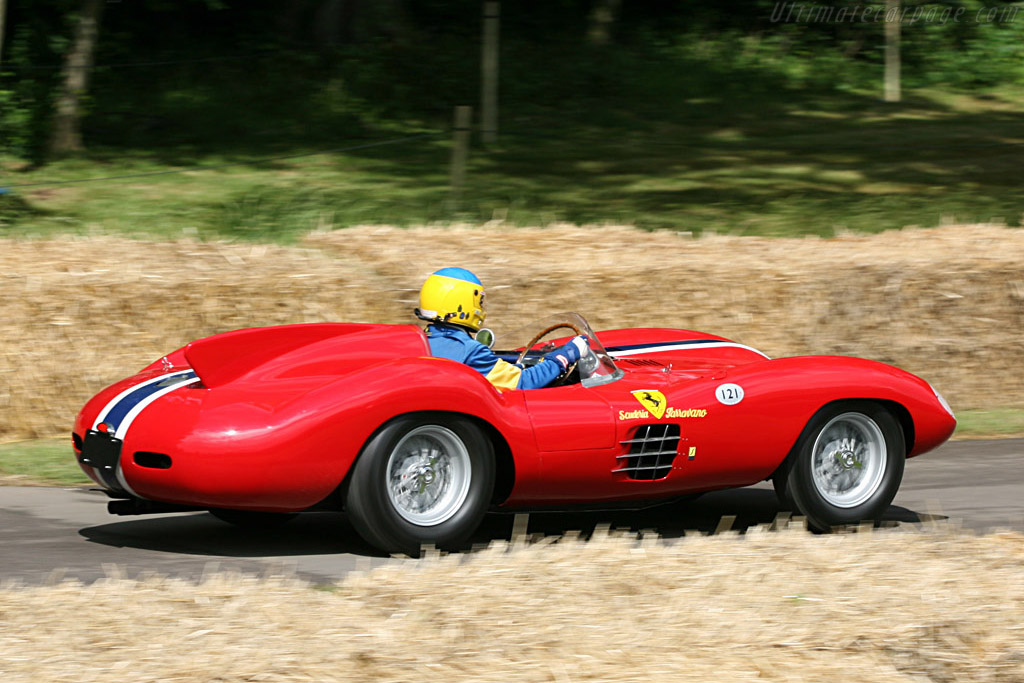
(273, 418)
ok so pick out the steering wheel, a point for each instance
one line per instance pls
(544, 333)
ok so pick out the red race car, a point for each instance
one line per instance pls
(258, 424)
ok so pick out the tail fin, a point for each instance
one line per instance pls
(225, 357)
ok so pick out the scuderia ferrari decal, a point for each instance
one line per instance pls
(654, 401)
(656, 404)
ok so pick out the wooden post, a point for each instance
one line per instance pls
(460, 152)
(489, 72)
(892, 50)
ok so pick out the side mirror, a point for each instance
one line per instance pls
(485, 337)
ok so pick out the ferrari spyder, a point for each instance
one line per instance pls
(257, 425)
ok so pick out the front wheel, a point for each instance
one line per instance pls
(421, 479)
(847, 465)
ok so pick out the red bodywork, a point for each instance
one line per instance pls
(278, 415)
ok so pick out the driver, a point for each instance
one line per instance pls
(452, 301)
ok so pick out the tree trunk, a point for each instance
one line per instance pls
(3, 26)
(67, 134)
(489, 72)
(602, 16)
(327, 24)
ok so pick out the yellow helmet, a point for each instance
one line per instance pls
(454, 296)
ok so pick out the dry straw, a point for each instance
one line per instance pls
(946, 303)
(787, 606)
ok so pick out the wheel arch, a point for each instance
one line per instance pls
(504, 463)
(815, 382)
(902, 415)
(504, 474)
(896, 409)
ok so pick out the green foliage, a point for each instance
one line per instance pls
(43, 461)
(14, 209)
(15, 124)
(25, 88)
(413, 61)
(697, 117)
(985, 47)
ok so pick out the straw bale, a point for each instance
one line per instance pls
(946, 303)
(81, 313)
(780, 606)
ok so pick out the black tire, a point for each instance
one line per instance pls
(846, 466)
(251, 519)
(780, 481)
(390, 493)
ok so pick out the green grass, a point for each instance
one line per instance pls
(782, 167)
(50, 461)
(41, 461)
(997, 422)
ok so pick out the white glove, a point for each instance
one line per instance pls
(582, 344)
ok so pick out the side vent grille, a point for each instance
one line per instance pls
(651, 452)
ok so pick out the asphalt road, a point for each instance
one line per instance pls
(52, 533)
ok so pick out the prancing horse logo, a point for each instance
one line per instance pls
(654, 401)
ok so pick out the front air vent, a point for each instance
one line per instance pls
(154, 461)
(651, 452)
(650, 362)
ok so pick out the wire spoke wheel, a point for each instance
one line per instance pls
(428, 475)
(846, 466)
(848, 460)
(422, 479)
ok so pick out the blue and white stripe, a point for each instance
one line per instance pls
(120, 412)
(682, 345)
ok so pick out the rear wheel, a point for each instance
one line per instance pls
(846, 467)
(422, 479)
(781, 483)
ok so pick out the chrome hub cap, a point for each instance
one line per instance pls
(428, 475)
(849, 460)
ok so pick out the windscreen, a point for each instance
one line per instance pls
(596, 368)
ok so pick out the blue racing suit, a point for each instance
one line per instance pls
(447, 341)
